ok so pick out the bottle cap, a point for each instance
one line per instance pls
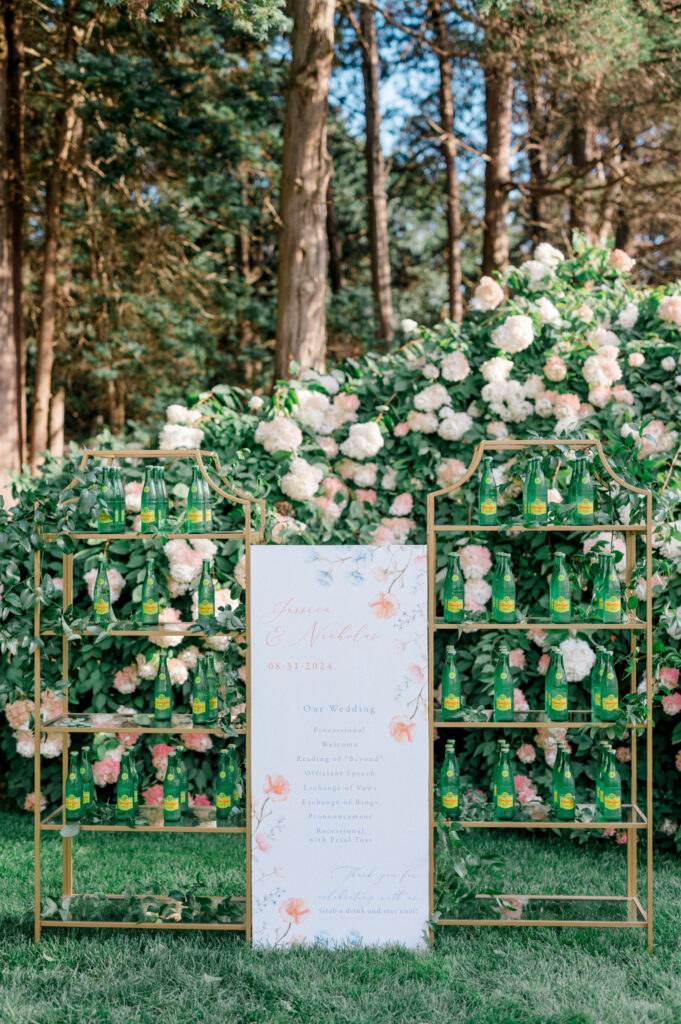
(450, 649)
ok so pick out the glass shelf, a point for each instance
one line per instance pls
(535, 723)
(135, 535)
(197, 819)
(557, 911)
(116, 722)
(163, 629)
(551, 528)
(469, 627)
(639, 820)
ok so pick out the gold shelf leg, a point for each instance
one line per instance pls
(632, 838)
(36, 758)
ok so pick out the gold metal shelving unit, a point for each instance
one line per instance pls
(198, 819)
(634, 819)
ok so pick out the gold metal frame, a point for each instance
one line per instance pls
(636, 819)
(200, 819)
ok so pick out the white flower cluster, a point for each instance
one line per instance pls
(455, 367)
(540, 270)
(431, 398)
(454, 426)
(487, 295)
(422, 422)
(174, 435)
(628, 316)
(364, 440)
(602, 367)
(496, 369)
(548, 314)
(280, 434)
(302, 480)
(514, 334)
(578, 658)
(185, 561)
(506, 399)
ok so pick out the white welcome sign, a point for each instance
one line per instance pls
(339, 749)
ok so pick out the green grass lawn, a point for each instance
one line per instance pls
(476, 976)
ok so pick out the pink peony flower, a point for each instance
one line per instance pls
(476, 561)
(623, 754)
(402, 505)
(29, 802)
(516, 658)
(19, 713)
(199, 741)
(621, 838)
(262, 842)
(366, 496)
(566, 405)
(537, 635)
(497, 429)
(127, 739)
(520, 704)
(159, 758)
(328, 507)
(200, 800)
(168, 615)
(51, 705)
(152, 796)
(240, 571)
(526, 753)
(620, 261)
(25, 743)
(400, 528)
(178, 671)
(669, 309)
(669, 677)
(622, 394)
(671, 704)
(608, 833)
(555, 369)
(106, 771)
(449, 472)
(126, 679)
(382, 535)
(401, 429)
(543, 664)
(476, 594)
(636, 359)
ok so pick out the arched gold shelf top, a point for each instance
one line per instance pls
(509, 444)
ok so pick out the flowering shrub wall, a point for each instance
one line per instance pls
(559, 348)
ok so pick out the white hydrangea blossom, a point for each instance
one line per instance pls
(533, 386)
(578, 658)
(180, 414)
(409, 326)
(422, 422)
(302, 480)
(364, 441)
(431, 398)
(601, 336)
(455, 367)
(453, 427)
(430, 371)
(548, 314)
(496, 369)
(538, 274)
(487, 296)
(628, 316)
(548, 255)
(506, 399)
(255, 403)
(668, 364)
(311, 409)
(174, 435)
(389, 479)
(515, 334)
(280, 434)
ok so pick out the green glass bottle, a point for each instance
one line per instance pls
(535, 494)
(224, 787)
(87, 780)
(184, 779)
(555, 775)
(73, 796)
(119, 500)
(101, 597)
(599, 580)
(497, 768)
(560, 591)
(199, 694)
(135, 782)
(557, 685)
(163, 503)
(503, 686)
(612, 592)
(235, 773)
(451, 687)
(163, 692)
(106, 500)
(149, 502)
(565, 795)
(503, 589)
(453, 596)
(150, 598)
(212, 686)
(171, 793)
(206, 594)
(575, 473)
(487, 494)
(195, 516)
(609, 690)
(125, 791)
(504, 803)
(595, 683)
(207, 499)
(583, 492)
(600, 774)
(449, 783)
(612, 790)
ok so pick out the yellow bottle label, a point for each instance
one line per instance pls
(206, 608)
(612, 802)
(610, 703)
(194, 514)
(104, 517)
(86, 796)
(171, 803)
(507, 604)
(162, 702)
(585, 507)
(72, 802)
(538, 507)
(148, 515)
(488, 507)
(504, 800)
(455, 604)
(223, 800)
(612, 604)
(452, 703)
(198, 706)
(209, 515)
(125, 803)
(101, 606)
(561, 604)
(559, 702)
(213, 703)
(150, 607)
(598, 699)
(450, 800)
(503, 703)
(567, 802)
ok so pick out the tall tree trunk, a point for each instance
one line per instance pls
(333, 236)
(10, 449)
(57, 408)
(448, 143)
(13, 19)
(376, 196)
(303, 249)
(582, 149)
(66, 123)
(498, 100)
(537, 157)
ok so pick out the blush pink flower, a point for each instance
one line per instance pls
(623, 754)
(402, 505)
(262, 842)
(366, 496)
(199, 741)
(636, 359)
(449, 472)
(159, 758)
(516, 658)
(621, 838)
(415, 673)
(671, 704)
(619, 260)
(669, 677)
(622, 394)
(51, 705)
(276, 787)
(526, 753)
(401, 729)
(152, 796)
(520, 704)
(133, 496)
(555, 369)
(386, 606)
(537, 635)
(399, 526)
(19, 713)
(543, 665)
(106, 771)
(476, 561)
(128, 739)
(126, 679)
(294, 910)
(401, 429)
(608, 833)
(29, 802)
(200, 800)
(168, 615)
